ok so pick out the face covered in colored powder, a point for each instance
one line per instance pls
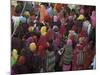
(32, 47)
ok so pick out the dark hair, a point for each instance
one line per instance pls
(51, 47)
(18, 9)
(45, 4)
(87, 17)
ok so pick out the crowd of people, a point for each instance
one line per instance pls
(52, 37)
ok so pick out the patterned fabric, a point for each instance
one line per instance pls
(50, 61)
(67, 56)
(80, 57)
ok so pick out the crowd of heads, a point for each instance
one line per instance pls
(39, 27)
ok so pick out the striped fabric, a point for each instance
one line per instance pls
(67, 56)
(80, 57)
(50, 61)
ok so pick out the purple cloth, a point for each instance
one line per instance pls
(56, 43)
(62, 29)
(29, 40)
(66, 67)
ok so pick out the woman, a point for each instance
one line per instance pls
(50, 58)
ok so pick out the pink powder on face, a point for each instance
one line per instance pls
(55, 18)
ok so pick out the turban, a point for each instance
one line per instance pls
(43, 30)
(30, 29)
(26, 14)
(14, 54)
(14, 57)
(22, 19)
(81, 17)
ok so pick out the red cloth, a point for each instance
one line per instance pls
(74, 28)
(47, 18)
(21, 60)
(82, 34)
(62, 29)
(43, 41)
(32, 17)
(41, 50)
(50, 34)
(75, 66)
